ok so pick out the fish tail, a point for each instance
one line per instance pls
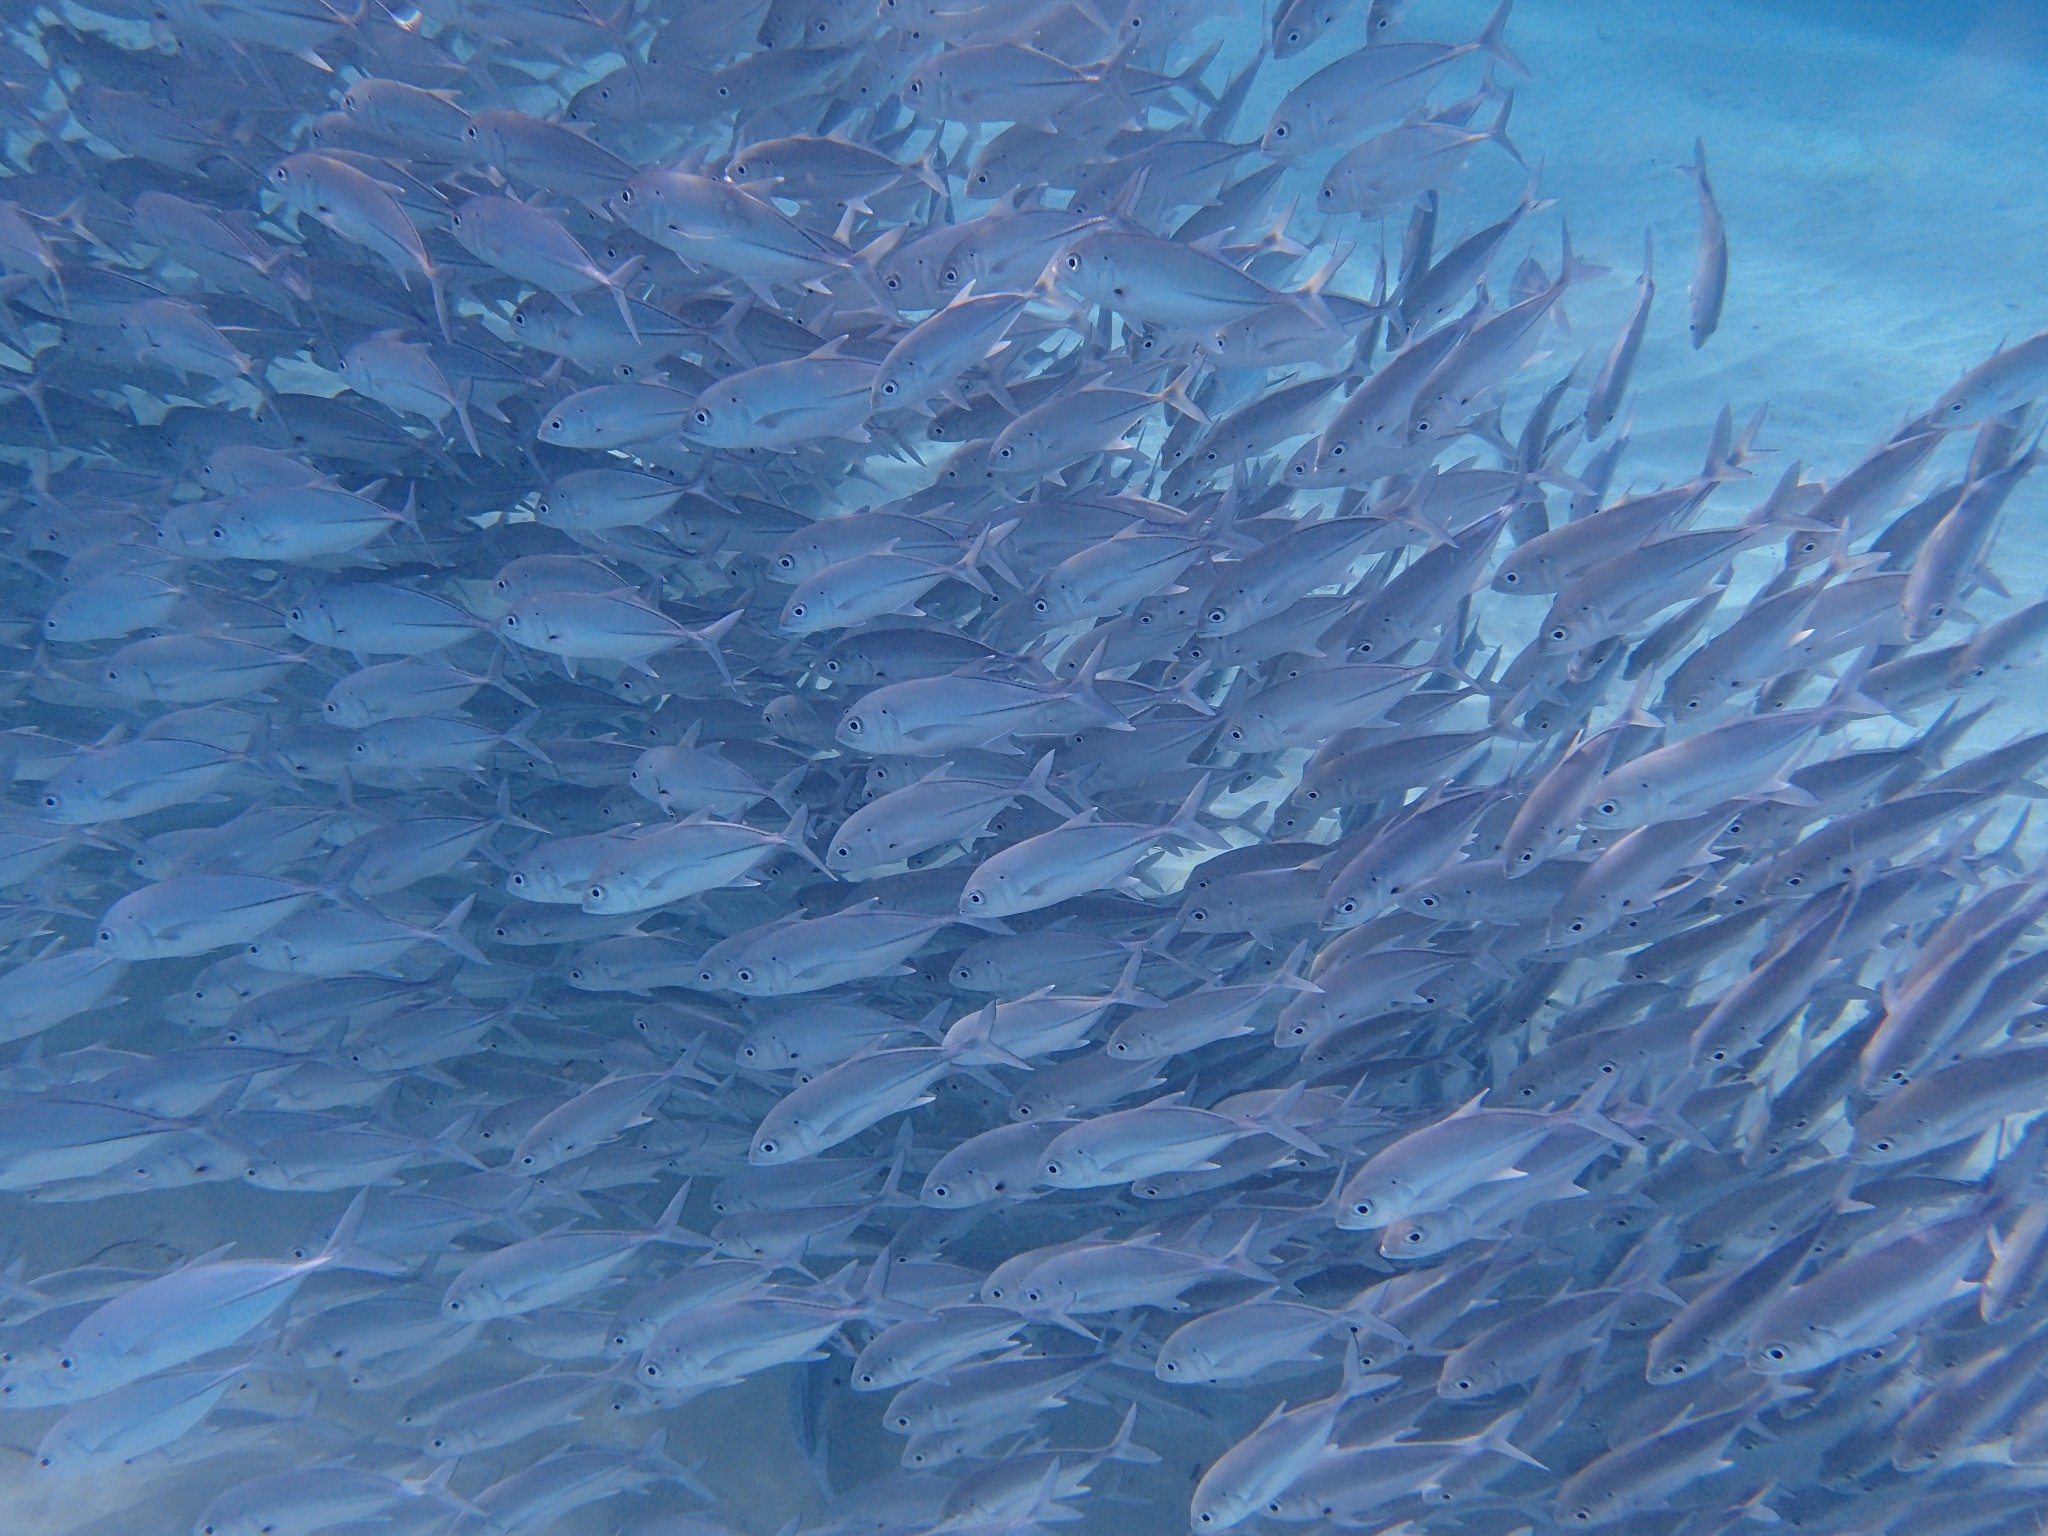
(1082, 691)
(616, 281)
(1036, 787)
(1493, 40)
(342, 1252)
(448, 933)
(1498, 133)
(793, 836)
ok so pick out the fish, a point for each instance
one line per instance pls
(1885, 1280)
(1082, 854)
(798, 762)
(1709, 290)
(942, 807)
(527, 1275)
(2011, 376)
(1377, 83)
(179, 1316)
(1433, 1165)
(1610, 384)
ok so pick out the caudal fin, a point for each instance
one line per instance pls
(343, 1252)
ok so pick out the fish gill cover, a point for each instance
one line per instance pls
(934, 768)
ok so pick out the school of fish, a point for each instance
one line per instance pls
(821, 767)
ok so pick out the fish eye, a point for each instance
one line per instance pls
(1362, 1208)
(853, 726)
(106, 935)
(1279, 130)
(1560, 633)
(768, 1147)
(702, 418)
(470, 133)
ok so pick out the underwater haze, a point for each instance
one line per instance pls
(891, 767)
